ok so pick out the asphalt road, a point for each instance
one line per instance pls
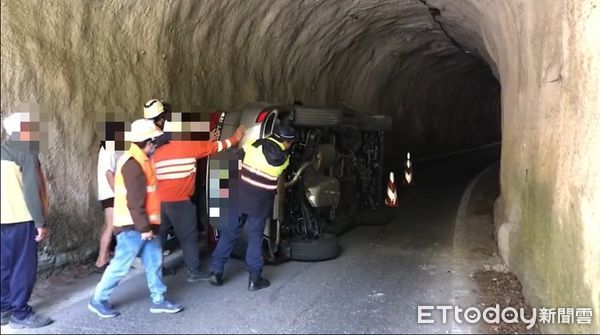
(375, 286)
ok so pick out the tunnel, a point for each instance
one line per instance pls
(453, 75)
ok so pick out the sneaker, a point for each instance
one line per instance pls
(6, 317)
(196, 275)
(34, 320)
(216, 278)
(103, 309)
(165, 306)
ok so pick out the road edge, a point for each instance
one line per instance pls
(463, 285)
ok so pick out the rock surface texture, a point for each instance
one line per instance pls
(452, 74)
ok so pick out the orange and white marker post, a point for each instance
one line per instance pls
(391, 198)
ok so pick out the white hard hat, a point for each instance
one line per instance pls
(141, 130)
(153, 108)
(12, 123)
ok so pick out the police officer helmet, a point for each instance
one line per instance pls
(285, 133)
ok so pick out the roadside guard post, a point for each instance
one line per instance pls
(391, 198)
(407, 179)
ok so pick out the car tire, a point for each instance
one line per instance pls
(324, 248)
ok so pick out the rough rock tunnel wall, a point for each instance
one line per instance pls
(441, 69)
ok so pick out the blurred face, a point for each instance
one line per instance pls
(162, 119)
(30, 131)
(160, 123)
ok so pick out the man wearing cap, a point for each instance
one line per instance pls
(24, 208)
(136, 221)
(176, 173)
(263, 161)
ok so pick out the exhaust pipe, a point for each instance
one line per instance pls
(298, 174)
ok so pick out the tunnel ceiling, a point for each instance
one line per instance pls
(422, 62)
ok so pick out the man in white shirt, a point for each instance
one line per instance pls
(107, 159)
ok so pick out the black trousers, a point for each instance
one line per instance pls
(19, 267)
(181, 215)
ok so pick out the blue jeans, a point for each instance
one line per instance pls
(129, 246)
(229, 236)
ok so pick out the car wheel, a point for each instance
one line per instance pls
(324, 248)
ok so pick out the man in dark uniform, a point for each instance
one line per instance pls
(263, 161)
(23, 223)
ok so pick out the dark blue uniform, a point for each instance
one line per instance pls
(256, 195)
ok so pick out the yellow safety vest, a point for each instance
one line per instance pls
(257, 171)
(122, 217)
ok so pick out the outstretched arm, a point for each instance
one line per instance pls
(206, 148)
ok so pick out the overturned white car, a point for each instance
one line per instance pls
(335, 173)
